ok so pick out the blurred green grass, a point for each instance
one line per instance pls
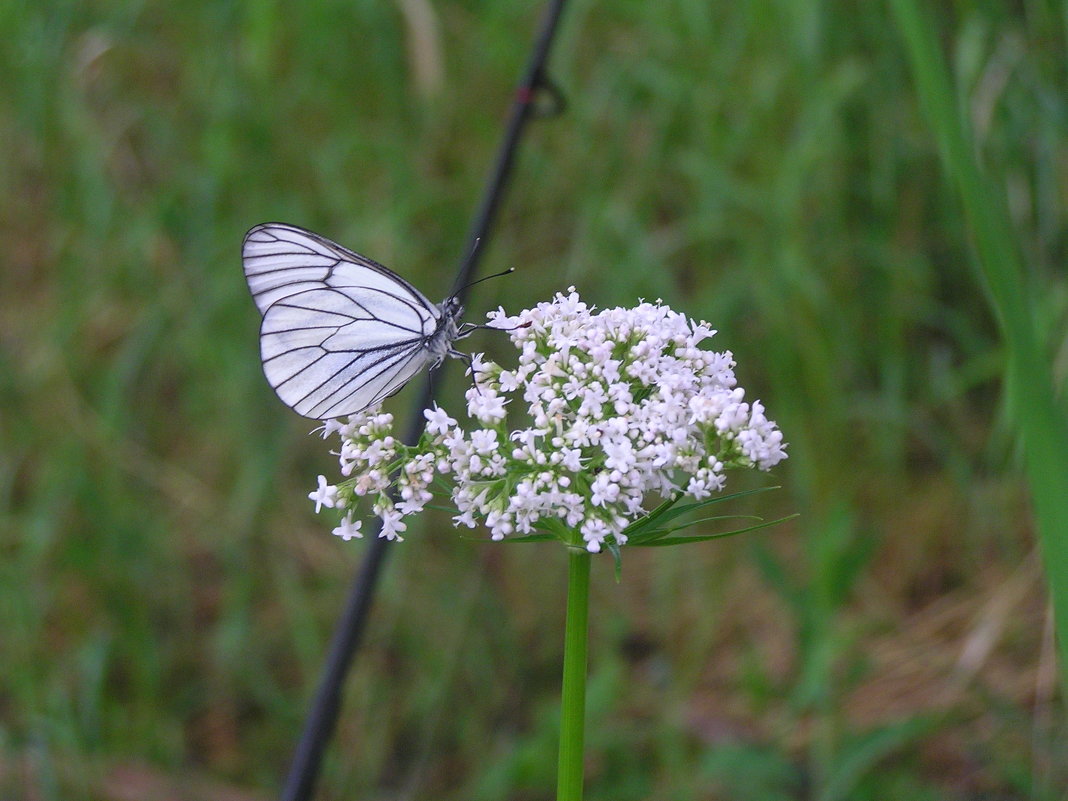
(166, 595)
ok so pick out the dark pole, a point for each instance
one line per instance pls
(533, 79)
(322, 717)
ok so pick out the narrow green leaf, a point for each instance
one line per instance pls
(648, 536)
(712, 519)
(530, 538)
(864, 752)
(682, 509)
(641, 530)
(1041, 425)
(706, 537)
(447, 509)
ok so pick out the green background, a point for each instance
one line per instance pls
(166, 594)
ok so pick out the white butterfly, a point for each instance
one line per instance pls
(340, 332)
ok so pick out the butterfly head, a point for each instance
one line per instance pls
(451, 309)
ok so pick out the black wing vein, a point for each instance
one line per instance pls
(340, 331)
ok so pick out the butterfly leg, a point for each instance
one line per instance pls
(466, 359)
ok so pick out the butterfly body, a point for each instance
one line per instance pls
(340, 331)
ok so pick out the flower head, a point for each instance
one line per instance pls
(623, 406)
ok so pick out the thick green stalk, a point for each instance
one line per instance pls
(573, 694)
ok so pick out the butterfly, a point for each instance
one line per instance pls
(340, 332)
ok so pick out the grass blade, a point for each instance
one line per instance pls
(1040, 424)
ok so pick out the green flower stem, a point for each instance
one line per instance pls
(573, 694)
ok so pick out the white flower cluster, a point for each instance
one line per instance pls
(623, 406)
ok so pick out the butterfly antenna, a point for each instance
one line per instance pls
(484, 278)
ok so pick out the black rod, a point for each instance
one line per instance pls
(322, 716)
(522, 109)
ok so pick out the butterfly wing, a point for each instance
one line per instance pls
(340, 332)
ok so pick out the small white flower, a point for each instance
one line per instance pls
(619, 454)
(499, 319)
(509, 380)
(329, 427)
(348, 529)
(594, 531)
(437, 421)
(603, 491)
(484, 441)
(392, 525)
(484, 405)
(466, 519)
(325, 495)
